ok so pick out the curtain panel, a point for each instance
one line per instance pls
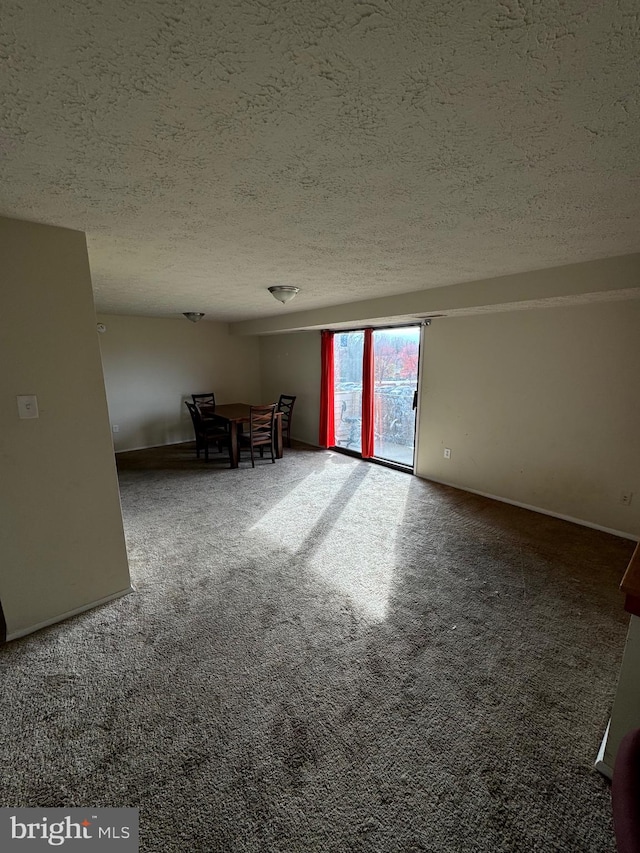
(327, 421)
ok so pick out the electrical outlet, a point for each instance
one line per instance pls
(115, 428)
(626, 498)
(447, 453)
(27, 406)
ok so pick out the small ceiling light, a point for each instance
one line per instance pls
(283, 292)
(194, 316)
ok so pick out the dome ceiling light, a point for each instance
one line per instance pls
(283, 292)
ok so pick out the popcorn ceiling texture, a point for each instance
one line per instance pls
(353, 149)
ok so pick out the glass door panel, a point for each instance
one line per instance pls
(348, 349)
(395, 356)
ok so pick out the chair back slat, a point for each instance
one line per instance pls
(285, 405)
(261, 431)
(261, 421)
(204, 399)
(193, 411)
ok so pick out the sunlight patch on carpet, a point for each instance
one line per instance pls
(358, 557)
(347, 534)
(289, 521)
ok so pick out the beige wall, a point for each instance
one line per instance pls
(539, 407)
(152, 365)
(290, 364)
(60, 527)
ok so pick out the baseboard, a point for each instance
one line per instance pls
(538, 509)
(600, 765)
(30, 630)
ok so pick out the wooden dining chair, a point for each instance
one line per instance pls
(285, 405)
(262, 432)
(207, 431)
(206, 404)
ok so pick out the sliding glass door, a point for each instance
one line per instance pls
(395, 362)
(395, 355)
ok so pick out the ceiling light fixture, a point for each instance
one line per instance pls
(283, 292)
(194, 316)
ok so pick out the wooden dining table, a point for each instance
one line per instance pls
(235, 414)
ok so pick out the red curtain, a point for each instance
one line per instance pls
(367, 395)
(327, 423)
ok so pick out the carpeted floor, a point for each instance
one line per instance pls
(328, 655)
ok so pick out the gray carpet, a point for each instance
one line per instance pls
(328, 655)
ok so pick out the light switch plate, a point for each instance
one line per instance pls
(28, 406)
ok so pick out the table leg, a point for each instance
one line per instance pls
(279, 452)
(233, 448)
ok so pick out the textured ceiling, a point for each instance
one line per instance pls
(354, 149)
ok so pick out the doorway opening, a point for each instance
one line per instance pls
(389, 406)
